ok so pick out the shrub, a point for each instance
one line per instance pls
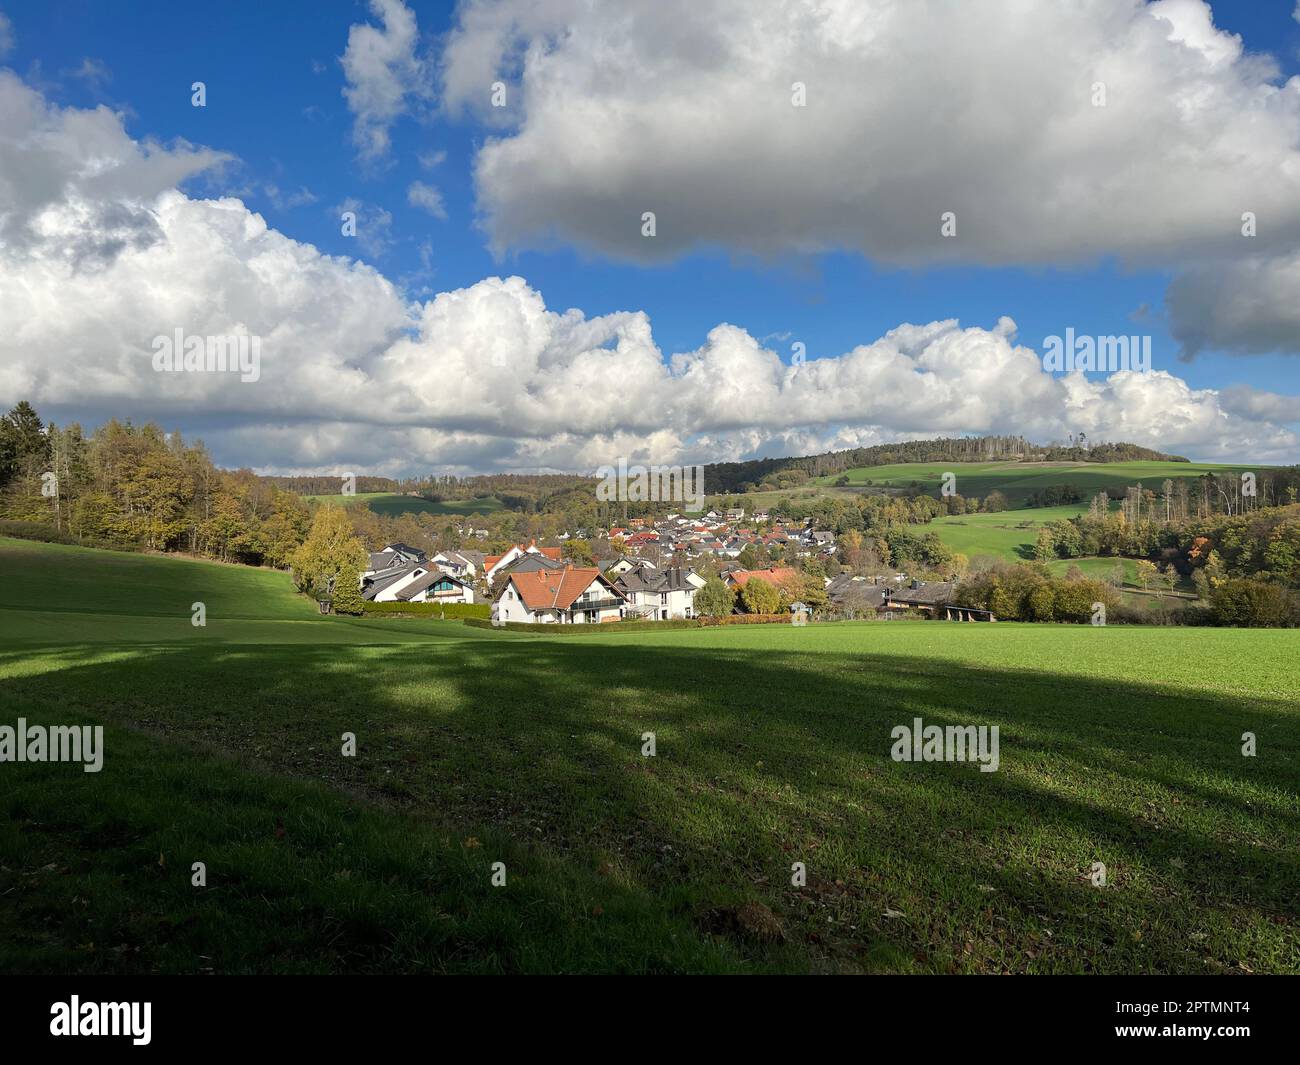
(577, 630)
(1253, 604)
(424, 610)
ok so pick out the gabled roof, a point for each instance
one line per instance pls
(926, 595)
(427, 581)
(553, 553)
(389, 577)
(557, 589)
(672, 579)
(774, 575)
(406, 549)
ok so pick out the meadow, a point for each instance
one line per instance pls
(1018, 480)
(394, 504)
(1118, 745)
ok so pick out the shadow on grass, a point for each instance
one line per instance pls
(765, 759)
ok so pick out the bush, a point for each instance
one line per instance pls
(577, 630)
(1253, 604)
(48, 534)
(424, 610)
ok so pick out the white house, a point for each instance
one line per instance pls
(421, 583)
(574, 595)
(494, 564)
(661, 595)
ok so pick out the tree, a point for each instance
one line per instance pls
(994, 502)
(330, 556)
(748, 559)
(1146, 573)
(347, 596)
(760, 597)
(715, 599)
(1045, 547)
(578, 552)
(1253, 604)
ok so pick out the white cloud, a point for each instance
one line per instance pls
(426, 197)
(384, 75)
(913, 109)
(356, 376)
(6, 35)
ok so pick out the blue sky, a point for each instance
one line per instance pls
(275, 103)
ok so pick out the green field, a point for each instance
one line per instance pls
(1009, 534)
(1118, 745)
(1018, 480)
(393, 504)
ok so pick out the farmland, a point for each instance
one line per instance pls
(1120, 746)
(393, 504)
(1019, 480)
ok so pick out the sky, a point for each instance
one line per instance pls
(870, 216)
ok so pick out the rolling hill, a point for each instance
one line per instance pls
(1118, 745)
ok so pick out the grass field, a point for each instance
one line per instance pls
(1118, 745)
(1009, 534)
(1018, 480)
(393, 504)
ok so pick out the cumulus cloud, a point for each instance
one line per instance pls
(911, 110)
(384, 75)
(1246, 402)
(355, 375)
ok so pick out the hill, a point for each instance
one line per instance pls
(392, 504)
(222, 745)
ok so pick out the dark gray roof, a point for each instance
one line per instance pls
(427, 581)
(388, 577)
(529, 563)
(926, 595)
(671, 579)
(405, 549)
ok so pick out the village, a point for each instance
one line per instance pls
(658, 570)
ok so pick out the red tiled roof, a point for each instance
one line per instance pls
(554, 553)
(555, 588)
(774, 576)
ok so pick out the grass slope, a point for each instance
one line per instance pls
(1118, 745)
(1018, 480)
(1009, 534)
(392, 504)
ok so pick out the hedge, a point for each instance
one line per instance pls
(48, 534)
(468, 611)
(574, 630)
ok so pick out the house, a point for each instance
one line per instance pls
(619, 566)
(776, 576)
(660, 594)
(853, 595)
(464, 564)
(921, 598)
(494, 564)
(735, 513)
(419, 583)
(434, 587)
(394, 556)
(573, 595)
